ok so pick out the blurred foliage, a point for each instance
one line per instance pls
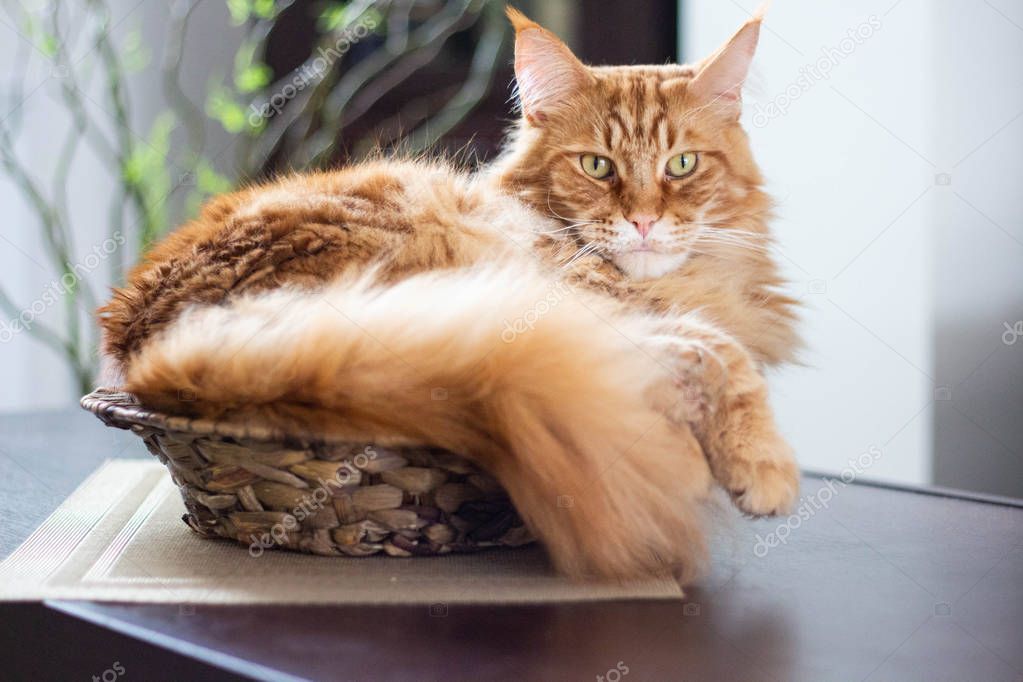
(362, 51)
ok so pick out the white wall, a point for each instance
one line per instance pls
(978, 239)
(875, 168)
(851, 230)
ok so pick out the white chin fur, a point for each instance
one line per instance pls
(647, 265)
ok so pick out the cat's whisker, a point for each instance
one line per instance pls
(733, 242)
(724, 228)
(751, 236)
(705, 229)
(555, 214)
(730, 236)
(741, 239)
(566, 228)
(573, 223)
(566, 247)
(586, 250)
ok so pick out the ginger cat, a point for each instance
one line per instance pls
(622, 239)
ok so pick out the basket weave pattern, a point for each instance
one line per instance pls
(267, 489)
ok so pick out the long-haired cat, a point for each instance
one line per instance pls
(587, 319)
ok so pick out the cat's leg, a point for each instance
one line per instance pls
(718, 389)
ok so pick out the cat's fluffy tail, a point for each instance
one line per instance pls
(542, 386)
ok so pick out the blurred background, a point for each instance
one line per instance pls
(889, 132)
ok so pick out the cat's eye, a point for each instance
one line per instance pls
(599, 167)
(681, 165)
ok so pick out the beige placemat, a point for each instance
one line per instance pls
(120, 537)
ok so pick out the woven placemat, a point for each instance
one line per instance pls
(119, 537)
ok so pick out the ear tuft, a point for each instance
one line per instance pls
(761, 11)
(519, 21)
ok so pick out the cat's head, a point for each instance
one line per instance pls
(648, 165)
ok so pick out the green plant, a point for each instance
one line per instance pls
(300, 119)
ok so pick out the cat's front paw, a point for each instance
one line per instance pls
(764, 486)
(769, 490)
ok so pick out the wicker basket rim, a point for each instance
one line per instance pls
(122, 410)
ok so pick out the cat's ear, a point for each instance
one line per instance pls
(718, 83)
(546, 71)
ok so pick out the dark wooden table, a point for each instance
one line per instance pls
(874, 583)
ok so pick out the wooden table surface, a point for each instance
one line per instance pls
(870, 583)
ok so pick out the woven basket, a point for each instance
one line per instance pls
(267, 489)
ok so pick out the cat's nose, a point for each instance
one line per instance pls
(643, 222)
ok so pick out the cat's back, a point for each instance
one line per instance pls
(305, 230)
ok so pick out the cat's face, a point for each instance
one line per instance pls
(646, 166)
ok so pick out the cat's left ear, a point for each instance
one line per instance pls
(718, 83)
(546, 71)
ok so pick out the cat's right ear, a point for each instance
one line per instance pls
(546, 71)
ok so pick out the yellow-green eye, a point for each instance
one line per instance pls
(599, 167)
(681, 165)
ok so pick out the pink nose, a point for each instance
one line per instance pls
(643, 222)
